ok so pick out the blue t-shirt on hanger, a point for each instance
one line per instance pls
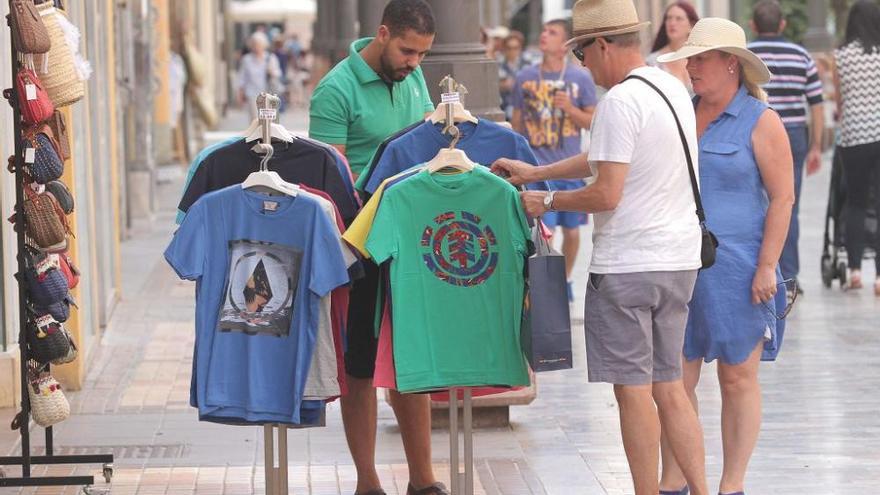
(483, 142)
(262, 264)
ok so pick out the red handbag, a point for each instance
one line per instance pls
(33, 100)
(70, 271)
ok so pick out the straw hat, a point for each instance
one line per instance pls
(597, 18)
(713, 33)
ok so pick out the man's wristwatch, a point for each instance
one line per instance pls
(548, 200)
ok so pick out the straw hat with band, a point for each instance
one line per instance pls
(597, 18)
(713, 33)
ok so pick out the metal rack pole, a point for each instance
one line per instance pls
(26, 460)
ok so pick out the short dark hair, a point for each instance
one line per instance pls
(401, 16)
(565, 24)
(767, 16)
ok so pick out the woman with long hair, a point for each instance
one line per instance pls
(858, 133)
(678, 19)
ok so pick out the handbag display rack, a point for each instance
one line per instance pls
(26, 460)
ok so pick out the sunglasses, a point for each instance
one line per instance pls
(789, 286)
(579, 51)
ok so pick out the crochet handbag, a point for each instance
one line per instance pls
(28, 31)
(47, 283)
(49, 406)
(45, 222)
(47, 340)
(60, 310)
(33, 100)
(70, 271)
(59, 129)
(47, 165)
(61, 194)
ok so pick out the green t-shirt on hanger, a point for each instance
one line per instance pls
(457, 244)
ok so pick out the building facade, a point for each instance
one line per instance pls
(119, 131)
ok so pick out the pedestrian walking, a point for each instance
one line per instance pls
(794, 88)
(678, 20)
(748, 190)
(259, 71)
(553, 102)
(376, 91)
(646, 241)
(510, 65)
(858, 134)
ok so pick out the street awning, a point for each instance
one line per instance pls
(270, 10)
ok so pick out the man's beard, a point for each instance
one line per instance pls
(392, 74)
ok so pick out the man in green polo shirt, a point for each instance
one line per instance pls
(379, 89)
(375, 92)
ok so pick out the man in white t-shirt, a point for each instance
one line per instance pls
(646, 241)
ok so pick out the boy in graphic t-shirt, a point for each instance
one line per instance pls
(552, 102)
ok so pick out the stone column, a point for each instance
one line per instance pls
(457, 51)
(370, 16)
(346, 14)
(817, 38)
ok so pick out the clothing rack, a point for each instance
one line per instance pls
(26, 460)
(461, 478)
(276, 475)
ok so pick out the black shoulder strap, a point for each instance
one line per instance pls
(687, 150)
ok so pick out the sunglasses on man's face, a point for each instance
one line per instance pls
(579, 50)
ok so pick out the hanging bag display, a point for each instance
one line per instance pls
(33, 100)
(59, 310)
(71, 353)
(28, 31)
(59, 129)
(41, 160)
(49, 406)
(46, 338)
(709, 243)
(45, 222)
(546, 329)
(64, 80)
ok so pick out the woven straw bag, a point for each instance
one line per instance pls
(28, 32)
(62, 82)
(49, 406)
(59, 129)
(45, 221)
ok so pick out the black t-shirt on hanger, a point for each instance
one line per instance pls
(298, 162)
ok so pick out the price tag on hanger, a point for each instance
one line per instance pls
(450, 97)
(30, 155)
(268, 113)
(30, 91)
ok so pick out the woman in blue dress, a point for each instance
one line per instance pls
(748, 192)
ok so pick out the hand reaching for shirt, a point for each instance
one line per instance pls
(515, 171)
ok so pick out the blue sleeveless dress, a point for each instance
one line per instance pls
(723, 323)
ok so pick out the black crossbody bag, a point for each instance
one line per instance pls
(709, 241)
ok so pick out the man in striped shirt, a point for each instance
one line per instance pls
(793, 87)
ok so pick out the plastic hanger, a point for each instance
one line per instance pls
(265, 178)
(276, 131)
(459, 114)
(451, 157)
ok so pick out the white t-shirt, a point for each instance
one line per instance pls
(655, 226)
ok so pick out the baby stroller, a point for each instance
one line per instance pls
(834, 250)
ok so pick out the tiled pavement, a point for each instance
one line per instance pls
(821, 432)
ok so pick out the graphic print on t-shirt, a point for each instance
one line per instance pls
(459, 250)
(261, 288)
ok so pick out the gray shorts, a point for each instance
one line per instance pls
(635, 326)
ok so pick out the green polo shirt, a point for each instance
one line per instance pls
(354, 107)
